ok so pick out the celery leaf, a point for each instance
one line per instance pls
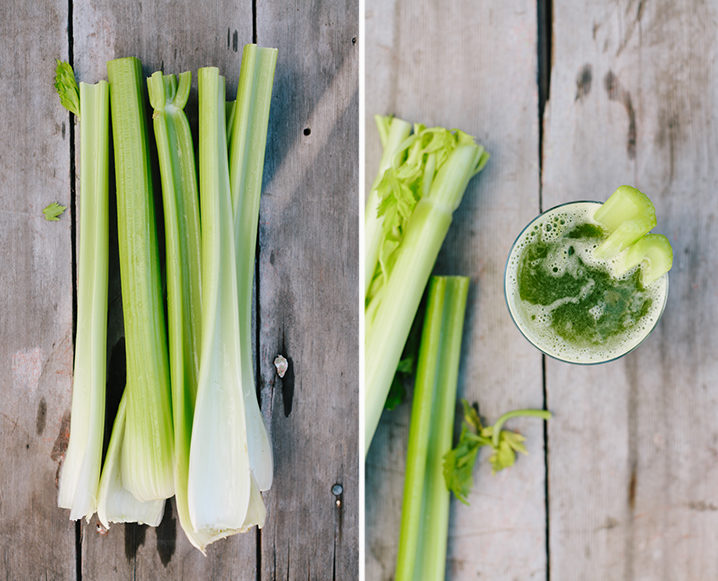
(53, 212)
(66, 87)
(459, 462)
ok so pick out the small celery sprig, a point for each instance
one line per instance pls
(80, 474)
(66, 87)
(459, 462)
(53, 212)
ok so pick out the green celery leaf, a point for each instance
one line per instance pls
(459, 462)
(397, 391)
(66, 87)
(459, 465)
(53, 212)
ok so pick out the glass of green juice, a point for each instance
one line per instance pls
(570, 304)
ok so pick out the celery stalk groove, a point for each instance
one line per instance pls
(115, 503)
(147, 451)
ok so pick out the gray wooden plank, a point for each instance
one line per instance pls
(173, 36)
(37, 540)
(632, 450)
(471, 67)
(308, 277)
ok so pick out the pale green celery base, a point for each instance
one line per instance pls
(248, 133)
(80, 473)
(148, 455)
(219, 479)
(115, 503)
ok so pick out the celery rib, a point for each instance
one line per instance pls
(219, 479)
(115, 503)
(410, 250)
(249, 123)
(80, 474)
(425, 506)
(147, 450)
(182, 242)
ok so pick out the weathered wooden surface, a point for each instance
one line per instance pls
(632, 482)
(632, 451)
(308, 264)
(306, 289)
(471, 67)
(36, 539)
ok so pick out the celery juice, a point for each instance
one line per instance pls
(569, 303)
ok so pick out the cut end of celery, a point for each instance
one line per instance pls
(653, 253)
(624, 205)
(624, 235)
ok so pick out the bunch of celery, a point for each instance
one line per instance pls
(421, 182)
(188, 423)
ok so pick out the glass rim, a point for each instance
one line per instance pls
(531, 341)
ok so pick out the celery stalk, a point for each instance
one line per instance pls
(392, 133)
(246, 163)
(80, 474)
(115, 503)
(147, 452)
(425, 507)
(182, 241)
(219, 480)
(418, 212)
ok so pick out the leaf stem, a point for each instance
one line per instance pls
(543, 414)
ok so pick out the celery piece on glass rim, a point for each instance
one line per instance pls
(425, 506)
(80, 473)
(115, 503)
(219, 479)
(420, 195)
(182, 248)
(147, 452)
(247, 144)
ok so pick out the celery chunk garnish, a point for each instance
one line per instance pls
(626, 215)
(655, 255)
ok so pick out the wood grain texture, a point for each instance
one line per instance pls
(308, 277)
(473, 67)
(37, 540)
(632, 449)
